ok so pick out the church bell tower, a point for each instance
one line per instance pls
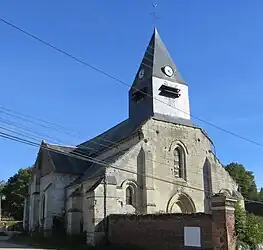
(158, 88)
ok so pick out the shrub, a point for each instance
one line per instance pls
(249, 228)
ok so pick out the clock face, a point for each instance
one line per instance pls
(168, 71)
(141, 74)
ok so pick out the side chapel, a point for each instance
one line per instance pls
(156, 161)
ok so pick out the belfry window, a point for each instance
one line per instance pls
(179, 163)
(139, 94)
(129, 195)
(168, 91)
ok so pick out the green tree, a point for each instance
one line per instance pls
(240, 223)
(260, 194)
(2, 184)
(254, 230)
(15, 191)
(249, 228)
(245, 179)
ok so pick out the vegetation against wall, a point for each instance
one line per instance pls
(249, 227)
(15, 191)
(246, 181)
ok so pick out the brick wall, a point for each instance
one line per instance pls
(158, 231)
(223, 222)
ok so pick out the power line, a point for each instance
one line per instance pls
(124, 150)
(120, 81)
(30, 121)
(36, 119)
(103, 163)
(28, 130)
(106, 147)
(116, 79)
(56, 127)
(92, 159)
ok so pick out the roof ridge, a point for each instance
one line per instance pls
(59, 145)
(103, 133)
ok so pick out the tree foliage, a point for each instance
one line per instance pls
(240, 223)
(260, 194)
(249, 227)
(2, 184)
(15, 191)
(254, 229)
(245, 179)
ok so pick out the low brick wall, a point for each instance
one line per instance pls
(158, 231)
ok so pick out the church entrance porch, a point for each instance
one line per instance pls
(181, 203)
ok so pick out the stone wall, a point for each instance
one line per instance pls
(160, 139)
(177, 231)
(163, 231)
(52, 187)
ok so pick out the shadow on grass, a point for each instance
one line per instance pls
(76, 242)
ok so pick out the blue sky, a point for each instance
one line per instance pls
(217, 46)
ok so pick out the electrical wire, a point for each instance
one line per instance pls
(97, 161)
(120, 81)
(90, 159)
(84, 152)
(105, 164)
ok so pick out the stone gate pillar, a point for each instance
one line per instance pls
(223, 221)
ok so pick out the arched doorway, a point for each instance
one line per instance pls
(181, 203)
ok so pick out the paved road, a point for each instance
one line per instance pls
(7, 245)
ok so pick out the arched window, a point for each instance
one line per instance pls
(179, 163)
(129, 195)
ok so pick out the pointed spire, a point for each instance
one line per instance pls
(156, 58)
(158, 79)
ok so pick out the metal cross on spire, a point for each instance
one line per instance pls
(154, 14)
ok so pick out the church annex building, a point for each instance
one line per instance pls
(156, 161)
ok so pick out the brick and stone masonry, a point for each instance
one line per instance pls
(168, 231)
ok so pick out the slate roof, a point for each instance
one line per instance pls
(109, 138)
(65, 162)
(121, 132)
(62, 148)
(71, 165)
(96, 170)
(155, 58)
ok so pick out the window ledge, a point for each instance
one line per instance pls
(181, 180)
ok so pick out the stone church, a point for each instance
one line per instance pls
(156, 161)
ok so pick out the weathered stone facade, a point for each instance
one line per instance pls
(157, 161)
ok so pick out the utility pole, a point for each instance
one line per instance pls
(0, 207)
(105, 207)
(2, 198)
